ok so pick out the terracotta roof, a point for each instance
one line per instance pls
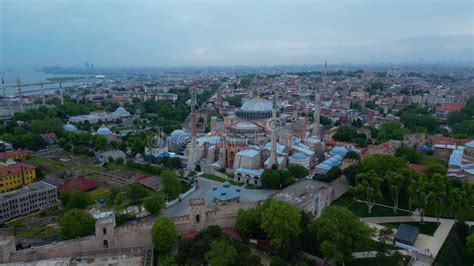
(78, 184)
(15, 168)
(451, 107)
(447, 140)
(10, 154)
(417, 167)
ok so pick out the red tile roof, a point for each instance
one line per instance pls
(417, 167)
(11, 154)
(447, 140)
(451, 107)
(79, 184)
(15, 168)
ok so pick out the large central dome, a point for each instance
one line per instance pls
(257, 105)
(256, 108)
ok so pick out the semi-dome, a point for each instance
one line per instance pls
(339, 150)
(245, 125)
(256, 108)
(177, 140)
(70, 128)
(104, 131)
(298, 157)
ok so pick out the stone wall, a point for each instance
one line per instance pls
(129, 236)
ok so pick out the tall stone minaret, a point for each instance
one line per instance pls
(61, 93)
(317, 112)
(20, 94)
(273, 160)
(42, 93)
(4, 88)
(192, 154)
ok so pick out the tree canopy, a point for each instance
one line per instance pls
(76, 223)
(163, 235)
(280, 220)
(340, 233)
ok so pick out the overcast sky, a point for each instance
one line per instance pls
(170, 33)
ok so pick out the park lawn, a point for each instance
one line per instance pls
(426, 228)
(37, 160)
(220, 179)
(373, 245)
(467, 255)
(361, 210)
(41, 231)
(385, 261)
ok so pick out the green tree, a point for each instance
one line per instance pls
(163, 235)
(248, 222)
(419, 194)
(367, 188)
(384, 237)
(99, 141)
(411, 155)
(344, 133)
(298, 171)
(221, 253)
(470, 241)
(271, 178)
(333, 173)
(76, 223)
(458, 200)
(340, 233)
(154, 203)
(234, 100)
(391, 130)
(167, 260)
(280, 220)
(75, 199)
(136, 192)
(456, 117)
(352, 155)
(394, 183)
(171, 185)
(439, 187)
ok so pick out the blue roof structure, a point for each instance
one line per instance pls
(299, 157)
(225, 192)
(470, 144)
(257, 105)
(70, 128)
(104, 131)
(339, 150)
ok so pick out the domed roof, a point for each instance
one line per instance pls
(245, 125)
(257, 105)
(121, 110)
(178, 133)
(339, 150)
(104, 131)
(298, 157)
(470, 144)
(70, 127)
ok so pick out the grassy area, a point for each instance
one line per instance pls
(41, 231)
(361, 210)
(467, 255)
(426, 228)
(385, 261)
(373, 246)
(56, 166)
(220, 179)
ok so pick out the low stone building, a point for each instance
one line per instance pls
(28, 199)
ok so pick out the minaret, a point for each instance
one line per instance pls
(61, 93)
(193, 149)
(4, 88)
(273, 160)
(317, 112)
(20, 94)
(42, 93)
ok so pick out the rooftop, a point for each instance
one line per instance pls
(225, 192)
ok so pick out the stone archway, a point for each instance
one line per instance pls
(105, 243)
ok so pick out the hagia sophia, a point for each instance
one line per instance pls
(254, 137)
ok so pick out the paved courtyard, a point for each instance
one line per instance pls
(206, 185)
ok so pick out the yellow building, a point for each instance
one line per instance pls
(16, 175)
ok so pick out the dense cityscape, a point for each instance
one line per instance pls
(275, 164)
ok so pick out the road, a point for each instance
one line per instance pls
(204, 187)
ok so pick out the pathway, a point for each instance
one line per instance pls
(204, 187)
(432, 243)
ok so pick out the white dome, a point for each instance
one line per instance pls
(104, 131)
(69, 128)
(257, 105)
